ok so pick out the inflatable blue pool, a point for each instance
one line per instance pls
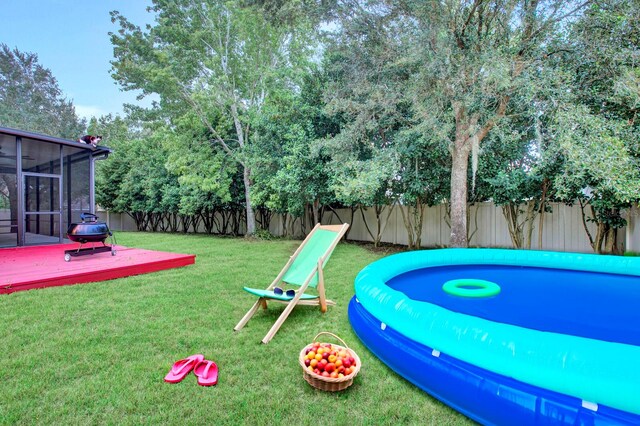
(509, 336)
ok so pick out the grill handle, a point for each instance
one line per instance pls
(92, 217)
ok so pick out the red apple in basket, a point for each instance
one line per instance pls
(322, 364)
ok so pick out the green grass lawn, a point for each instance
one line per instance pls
(97, 353)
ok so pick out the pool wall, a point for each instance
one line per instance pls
(600, 376)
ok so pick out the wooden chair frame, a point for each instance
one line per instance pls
(321, 300)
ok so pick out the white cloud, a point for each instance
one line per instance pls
(88, 111)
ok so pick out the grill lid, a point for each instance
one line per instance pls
(84, 229)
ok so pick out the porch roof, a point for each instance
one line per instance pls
(95, 152)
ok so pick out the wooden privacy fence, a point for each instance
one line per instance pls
(562, 229)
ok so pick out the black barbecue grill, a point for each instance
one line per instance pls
(89, 231)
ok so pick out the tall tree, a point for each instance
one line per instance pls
(378, 158)
(599, 169)
(211, 56)
(471, 58)
(292, 173)
(596, 127)
(30, 98)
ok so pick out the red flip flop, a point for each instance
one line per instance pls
(207, 372)
(181, 368)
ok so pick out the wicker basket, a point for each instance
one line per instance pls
(328, 383)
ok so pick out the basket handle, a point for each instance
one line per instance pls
(315, 339)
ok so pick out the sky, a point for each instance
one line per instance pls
(71, 38)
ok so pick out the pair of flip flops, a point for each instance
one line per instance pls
(205, 370)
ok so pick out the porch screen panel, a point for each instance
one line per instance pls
(41, 169)
(40, 157)
(8, 192)
(42, 195)
(76, 184)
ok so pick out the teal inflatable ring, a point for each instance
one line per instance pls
(469, 287)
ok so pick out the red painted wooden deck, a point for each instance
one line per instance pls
(25, 268)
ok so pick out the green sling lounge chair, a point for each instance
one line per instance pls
(303, 269)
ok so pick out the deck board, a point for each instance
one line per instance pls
(26, 268)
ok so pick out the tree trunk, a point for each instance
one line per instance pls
(207, 220)
(459, 169)
(510, 212)
(475, 221)
(285, 221)
(263, 217)
(316, 211)
(185, 223)
(543, 201)
(599, 238)
(243, 139)
(605, 239)
(251, 219)
(517, 225)
(418, 219)
(353, 212)
(195, 223)
(584, 223)
(292, 225)
(221, 221)
(610, 240)
(413, 219)
(138, 217)
(366, 225)
(468, 135)
(531, 216)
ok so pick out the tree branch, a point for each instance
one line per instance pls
(475, 5)
(203, 118)
(500, 112)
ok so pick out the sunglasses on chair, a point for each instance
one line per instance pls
(280, 292)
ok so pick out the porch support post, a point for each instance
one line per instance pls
(92, 184)
(20, 189)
